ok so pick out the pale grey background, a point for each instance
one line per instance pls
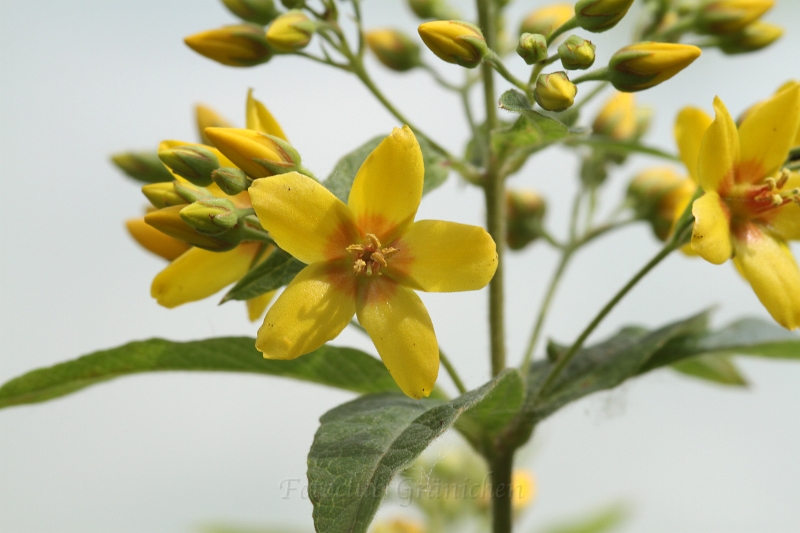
(165, 453)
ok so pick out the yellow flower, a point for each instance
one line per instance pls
(364, 258)
(751, 205)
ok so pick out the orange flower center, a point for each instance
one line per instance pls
(370, 256)
(754, 201)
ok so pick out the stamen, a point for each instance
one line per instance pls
(370, 257)
(356, 248)
(378, 257)
(359, 266)
(777, 200)
(374, 239)
(772, 183)
(783, 178)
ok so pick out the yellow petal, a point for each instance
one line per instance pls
(690, 125)
(154, 241)
(256, 306)
(314, 308)
(388, 186)
(260, 119)
(711, 234)
(439, 256)
(396, 319)
(767, 134)
(785, 220)
(198, 274)
(719, 151)
(772, 272)
(303, 217)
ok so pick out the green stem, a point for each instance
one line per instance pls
(451, 370)
(571, 24)
(600, 74)
(494, 60)
(594, 92)
(501, 466)
(439, 79)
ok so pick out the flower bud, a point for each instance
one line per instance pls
(291, 32)
(259, 155)
(655, 195)
(260, 119)
(721, 17)
(142, 166)
(154, 241)
(190, 193)
(576, 53)
(546, 19)
(168, 221)
(210, 216)
(293, 4)
(256, 11)
(554, 92)
(454, 41)
(232, 181)
(432, 9)
(644, 118)
(194, 163)
(753, 37)
(644, 65)
(208, 118)
(525, 210)
(163, 195)
(617, 118)
(394, 49)
(600, 15)
(241, 45)
(532, 47)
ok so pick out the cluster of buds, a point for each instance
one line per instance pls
(525, 210)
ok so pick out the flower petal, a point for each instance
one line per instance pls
(396, 319)
(711, 235)
(439, 256)
(388, 186)
(198, 274)
(154, 241)
(260, 119)
(767, 134)
(690, 125)
(303, 217)
(771, 270)
(256, 306)
(719, 151)
(315, 307)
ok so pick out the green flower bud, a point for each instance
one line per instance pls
(257, 11)
(169, 221)
(210, 216)
(576, 53)
(532, 48)
(554, 92)
(293, 4)
(191, 193)
(525, 210)
(432, 9)
(454, 41)
(163, 195)
(722, 17)
(194, 163)
(241, 45)
(753, 37)
(658, 195)
(394, 49)
(259, 155)
(291, 32)
(142, 166)
(600, 15)
(232, 181)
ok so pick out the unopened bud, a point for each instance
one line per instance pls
(432, 9)
(721, 17)
(525, 210)
(259, 155)
(644, 118)
(293, 4)
(154, 241)
(210, 216)
(163, 195)
(454, 41)
(617, 118)
(241, 45)
(576, 53)
(546, 19)
(554, 92)
(208, 118)
(190, 193)
(532, 47)
(232, 181)
(291, 32)
(194, 163)
(260, 119)
(257, 11)
(169, 222)
(600, 15)
(142, 166)
(644, 65)
(394, 49)
(655, 195)
(753, 37)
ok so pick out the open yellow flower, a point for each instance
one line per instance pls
(364, 258)
(751, 205)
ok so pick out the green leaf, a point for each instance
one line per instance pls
(362, 444)
(599, 522)
(493, 413)
(715, 368)
(344, 173)
(344, 368)
(277, 270)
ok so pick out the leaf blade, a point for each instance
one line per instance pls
(276, 271)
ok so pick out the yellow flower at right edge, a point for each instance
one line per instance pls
(366, 258)
(751, 205)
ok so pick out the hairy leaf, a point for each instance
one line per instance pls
(344, 368)
(277, 270)
(715, 368)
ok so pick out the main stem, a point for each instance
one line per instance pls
(502, 491)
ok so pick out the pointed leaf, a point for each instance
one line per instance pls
(497, 408)
(715, 368)
(278, 270)
(598, 522)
